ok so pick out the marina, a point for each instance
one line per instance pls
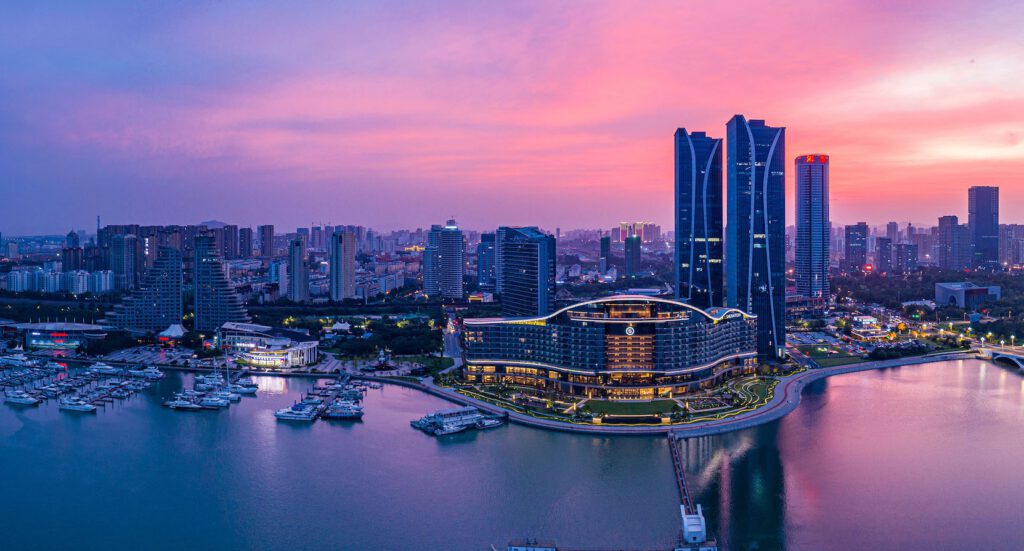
(338, 400)
(26, 382)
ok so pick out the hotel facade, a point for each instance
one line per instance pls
(624, 347)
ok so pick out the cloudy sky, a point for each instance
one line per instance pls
(400, 114)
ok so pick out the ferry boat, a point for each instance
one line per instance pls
(450, 421)
(298, 412)
(21, 398)
(341, 409)
(77, 404)
(101, 368)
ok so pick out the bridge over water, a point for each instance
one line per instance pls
(1009, 354)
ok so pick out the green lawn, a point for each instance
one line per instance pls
(631, 408)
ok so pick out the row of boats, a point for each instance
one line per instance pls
(84, 391)
(212, 392)
(453, 420)
(335, 400)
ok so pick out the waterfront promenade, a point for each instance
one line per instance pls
(785, 399)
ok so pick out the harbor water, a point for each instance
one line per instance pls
(918, 457)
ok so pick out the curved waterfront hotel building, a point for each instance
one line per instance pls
(622, 347)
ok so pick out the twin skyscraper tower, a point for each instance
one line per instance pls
(737, 260)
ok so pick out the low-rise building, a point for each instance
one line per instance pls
(268, 347)
(965, 294)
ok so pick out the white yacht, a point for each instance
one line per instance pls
(214, 401)
(230, 396)
(240, 389)
(151, 373)
(341, 409)
(101, 368)
(76, 404)
(182, 404)
(298, 412)
(21, 398)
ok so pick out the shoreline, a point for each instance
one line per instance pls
(786, 397)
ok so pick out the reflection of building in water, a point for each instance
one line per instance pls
(740, 485)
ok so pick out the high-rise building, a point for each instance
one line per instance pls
(698, 218)
(215, 301)
(71, 240)
(856, 247)
(983, 222)
(266, 232)
(953, 247)
(528, 272)
(904, 258)
(245, 243)
(343, 266)
(485, 261)
(892, 232)
(605, 254)
(444, 261)
(813, 227)
(124, 260)
(230, 242)
(156, 303)
(632, 252)
(756, 227)
(883, 255)
(298, 272)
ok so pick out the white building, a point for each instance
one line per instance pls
(268, 347)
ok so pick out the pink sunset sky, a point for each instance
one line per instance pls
(394, 115)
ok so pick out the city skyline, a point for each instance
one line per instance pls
(334, 124)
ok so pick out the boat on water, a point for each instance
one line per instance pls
(214, 401)
(489, 423)
(152, 374)
(453, 420)
(341, 409)
(297, 412)
(77, 404)
(21, 398)
(54, 366)
(101, 368)
(241, 389)
(184, 405)
(229, 396)
(17, 360)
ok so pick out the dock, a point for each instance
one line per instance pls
(694, 528)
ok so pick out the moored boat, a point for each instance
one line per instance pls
(21, 398)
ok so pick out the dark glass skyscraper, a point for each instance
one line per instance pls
(756, 230)
(856, 246)
(485, 262)
(632, 252)
(813, 228)
(605, 254)
(698, 204)
(527, 272)
(983, 222)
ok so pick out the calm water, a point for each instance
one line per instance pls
(920, 457)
